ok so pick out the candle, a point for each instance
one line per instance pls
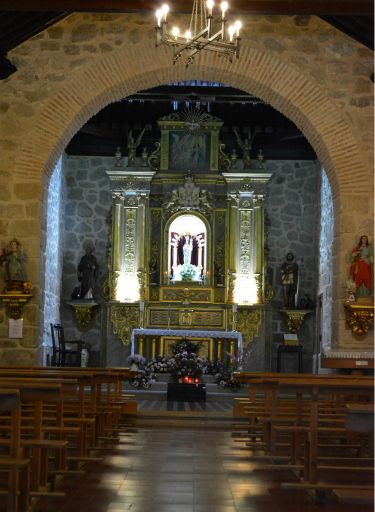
(142, 305)
(234, 308)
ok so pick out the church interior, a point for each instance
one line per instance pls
(186, 278)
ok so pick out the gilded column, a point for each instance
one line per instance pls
(153, 348)
(259, 253)
(117, 226)
(141, 237)
(232, 249)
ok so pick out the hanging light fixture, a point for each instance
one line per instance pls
(201, 34)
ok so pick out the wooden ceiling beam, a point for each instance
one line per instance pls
(281, 7)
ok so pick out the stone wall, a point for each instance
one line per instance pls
(293, 211)
(72, 70)
(87, 216)
(325, 264)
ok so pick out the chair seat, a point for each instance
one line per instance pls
(62, 352)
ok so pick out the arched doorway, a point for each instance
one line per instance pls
(294, 93)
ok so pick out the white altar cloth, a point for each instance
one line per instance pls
(185, 333)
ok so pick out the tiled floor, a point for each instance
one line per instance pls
(177, 470)
(224, 407)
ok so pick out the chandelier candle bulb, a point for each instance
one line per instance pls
(210, 5)
(188, 35)
(238, 26)
(175, 32)
(165, 11)
(159, 16)
(224, 7)
(231, 31)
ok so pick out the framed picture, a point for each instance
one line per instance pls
(189, 142)
(189, 150)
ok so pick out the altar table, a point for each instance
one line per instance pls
(187, 333)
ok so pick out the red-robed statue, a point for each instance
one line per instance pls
(361, 267)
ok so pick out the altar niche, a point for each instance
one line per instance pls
(187, 236)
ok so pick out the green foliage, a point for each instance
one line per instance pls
(186, 345)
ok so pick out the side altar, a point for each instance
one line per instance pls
(188, 244)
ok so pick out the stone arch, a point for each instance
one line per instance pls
(141, 66)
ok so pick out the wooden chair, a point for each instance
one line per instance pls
(61, 354)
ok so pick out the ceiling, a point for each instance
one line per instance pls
(275, 135)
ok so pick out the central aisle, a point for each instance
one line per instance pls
(181, 470)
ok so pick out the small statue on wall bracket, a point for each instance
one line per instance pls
(87, 273)
(132, 146)
(246, 146)
(361, 267)
(289, 279)
(13, 261)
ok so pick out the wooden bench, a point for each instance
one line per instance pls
(318, 411)
(16, 466)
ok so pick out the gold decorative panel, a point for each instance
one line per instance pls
(124, 319)
(209, 318)
(248, 323)
(186, 317)
(179, 295)
(219, 295)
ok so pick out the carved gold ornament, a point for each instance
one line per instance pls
(83, 311)
(359, 318)
(124, 319)
(15, 303)
(295, 318)
(248, 323)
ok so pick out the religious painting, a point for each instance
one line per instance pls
(189, 150)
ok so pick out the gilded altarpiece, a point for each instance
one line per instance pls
(187, 236)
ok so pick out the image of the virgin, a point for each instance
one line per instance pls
(187, 251)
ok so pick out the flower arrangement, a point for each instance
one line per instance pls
(225, 375)
(136, 359)
(188, 273)
(226, 379)
(185, 365)
(159, 364)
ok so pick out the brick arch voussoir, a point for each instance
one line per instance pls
(142, 66)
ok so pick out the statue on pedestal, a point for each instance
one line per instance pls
(289, 279)
(13, 260)
(87, 274)
(361, 267)
(132, 146)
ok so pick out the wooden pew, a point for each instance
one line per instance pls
(308, 390)
(36, 394)
(14, 464)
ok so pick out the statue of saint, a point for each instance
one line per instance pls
(361, 267)
(87, 273)
(289, 279)
(13, 260)
(132, 146)
(246, 146)
(187, 249)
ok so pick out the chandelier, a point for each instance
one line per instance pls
(204, 33)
